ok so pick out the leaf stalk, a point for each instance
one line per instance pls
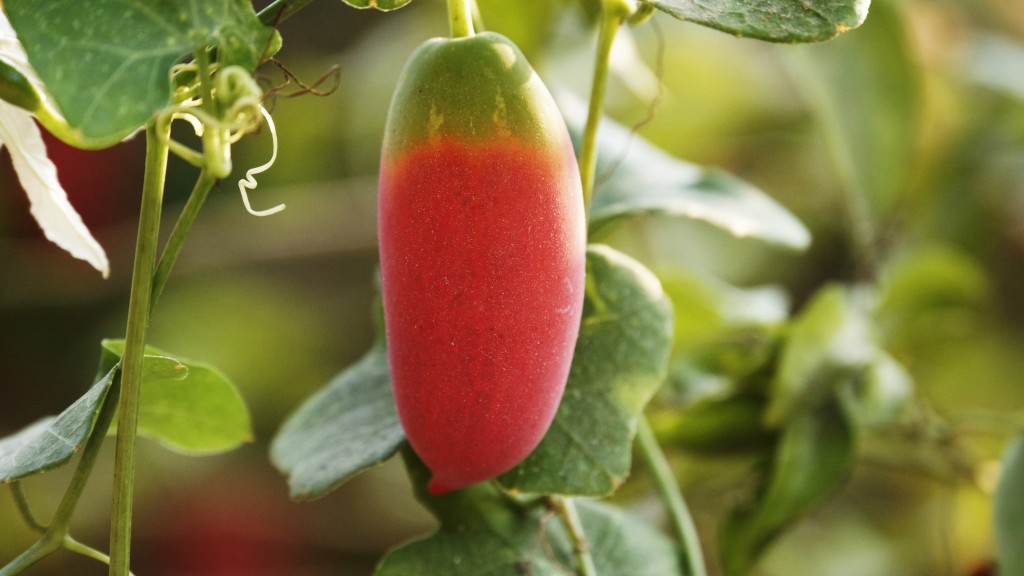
(566, 509)
(610, 22)
(679, 513)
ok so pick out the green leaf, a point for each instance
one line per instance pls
(931, 293)
(486, 532)
(635, 178)
(716, 426)
(345, 428)
(886, 394)
(620, 361)
(706, 307)
(52, 441)
(771, 20)
(16, 88)
(186, 406)
(107, 62)
(382, 5)
(814, 456)
(831, 338)
(1009, 510)
(866, 88)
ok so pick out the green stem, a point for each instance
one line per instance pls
(21, 501)
(279, 10)
(610, 22)
(135, 342)
(87, 551)
(41, 549)
(176, 241)
(679, 513)
(460, 18)
(566, 508)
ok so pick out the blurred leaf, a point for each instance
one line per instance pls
(930, 293)
(738, 360)
(997, 62)
(347, 427)
(1009, 511)
(486, 532)
(771, 20)
(705, 306)
(620, 361)
(528, 23)
(382, 5)
(130, 45)
(887, 392)
(814, 455)
(866, 90)
(185, 406)
(830, 339)
(52, 441)
(715, 426)
(636, 178)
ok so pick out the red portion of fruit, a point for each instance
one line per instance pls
(482, 261)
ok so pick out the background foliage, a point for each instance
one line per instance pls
(923, 117)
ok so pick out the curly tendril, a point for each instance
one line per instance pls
(237, 110)
(250, 183)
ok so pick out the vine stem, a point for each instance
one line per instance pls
(610, 22)
(279, 10)
(566, 509)
(682, 521)
(157, 135)
(460, 18)
(176, 241)
(21, 501)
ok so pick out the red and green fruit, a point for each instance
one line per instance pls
(482, 245)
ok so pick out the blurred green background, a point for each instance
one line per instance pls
(928, 97)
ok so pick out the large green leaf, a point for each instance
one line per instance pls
(347, 427)
(52, 441)
(1009, 511)
(619, 363)
(636, 179)
(866, 88)
(107, 62)
(814, 455)
(771, 20)
(186, 406)
(484, 532)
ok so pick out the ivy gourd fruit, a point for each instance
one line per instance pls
(482, 248)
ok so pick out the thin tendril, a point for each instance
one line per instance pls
(250, 183)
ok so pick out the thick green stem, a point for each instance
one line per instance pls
(678, 512)
(460, 18)
(566, 509)
(610, 22)
(135, 341)
(176, 241)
